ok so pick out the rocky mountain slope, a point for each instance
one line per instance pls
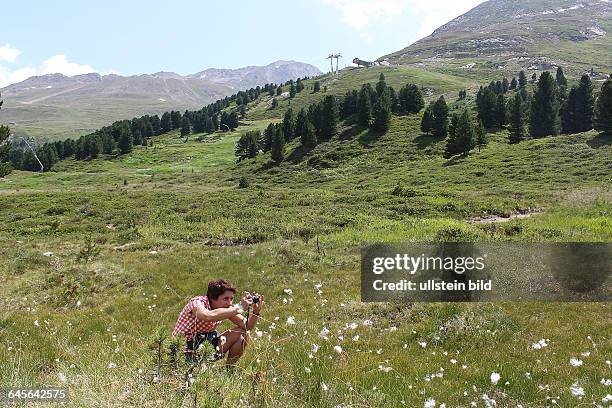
(528, 34)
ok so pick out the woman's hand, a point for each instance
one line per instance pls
(247, 300)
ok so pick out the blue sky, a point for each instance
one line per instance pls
(136, 37)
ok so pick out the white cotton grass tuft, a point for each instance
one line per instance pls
(429, 403)
(575, 362)
(495, 378)
(577, 391)
(540, 344)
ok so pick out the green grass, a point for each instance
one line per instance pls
(181, 220)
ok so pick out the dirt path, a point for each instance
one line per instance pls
(515, 215)
(42, 98)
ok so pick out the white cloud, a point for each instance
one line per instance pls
(60, 64)
(56, 64)
(362, 14)
(8, 53)
(358, 14)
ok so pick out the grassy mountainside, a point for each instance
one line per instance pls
(54, 106)
(166, 219)
(512, 35)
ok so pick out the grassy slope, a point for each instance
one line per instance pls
(182, 201)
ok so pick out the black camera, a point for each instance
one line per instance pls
(255, 299)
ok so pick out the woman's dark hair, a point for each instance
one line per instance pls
(217, 287)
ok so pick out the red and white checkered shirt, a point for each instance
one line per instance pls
(188, 324)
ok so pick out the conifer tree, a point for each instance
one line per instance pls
(427, 120)
(175, 117)
(568, 113)
(544, 118)
(522, 81)
(289, 125)
(486, 102)
(278, 146)
(292, 90)
(185, 126)
(381, 114)
(317, 86)
(585, 104)
(364, 113)
(300, 120)
(463, 139)
(517, 117)
(137, 138)
(505, 85)
(308, 136)
(440, 117)
(268, 137)
(329, 118)
(560, 78)
(411, 99)
(5, 147)
(603, 108)
(166, 123)
(513, 83)
(274, 103)
(452, 127)
(480, 135)
(500, 111)
(279, 91)
(125, 141)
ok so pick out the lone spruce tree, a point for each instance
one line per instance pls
(440, 117)
(603, 108)
(544, 118)
(427, 120)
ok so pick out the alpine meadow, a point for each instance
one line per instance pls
(496, 128)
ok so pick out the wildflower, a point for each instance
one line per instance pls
(606, 399)
(315, 348)
(49, 253)
(585, 354)
(324, 387)
(384, 369)
(111, 365)
(290, 320)
(392, 328)
(577, 391)
(575, 362)
(288, 291)
(323, 333)
(36, 323)
(423, 344)
(308, 370)
(606, 382)
(430, 403)
(540, 344)
(356, 337)
(495, 378)
(367, 322)
(62, 377)
(351, 326)
(258, 333)
(338, 349)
